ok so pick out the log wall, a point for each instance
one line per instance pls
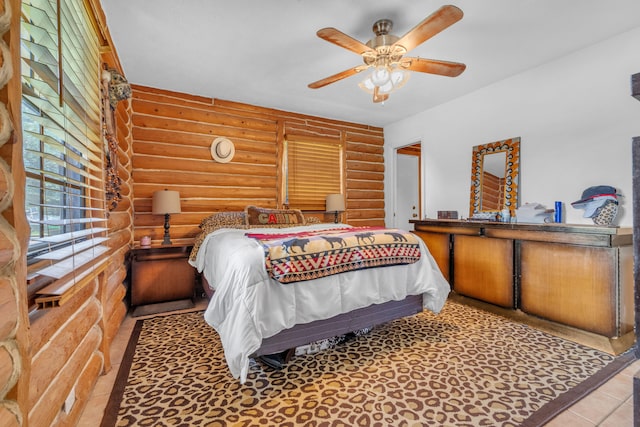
(15, 364)
(172, 136)
(492, 192)
(47, 355)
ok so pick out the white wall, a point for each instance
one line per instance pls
(575, 117)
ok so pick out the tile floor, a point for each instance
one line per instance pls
(611, 405)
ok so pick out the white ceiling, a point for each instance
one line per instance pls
(266, 52)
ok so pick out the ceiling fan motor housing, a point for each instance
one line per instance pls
(383, 44)
(382, 29)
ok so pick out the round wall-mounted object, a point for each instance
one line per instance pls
(222, 150)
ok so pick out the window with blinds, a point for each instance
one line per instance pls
(63, 156)
(313, 169)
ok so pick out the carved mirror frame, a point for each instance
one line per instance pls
(512, 173)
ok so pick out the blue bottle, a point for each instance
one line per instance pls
(558, 212)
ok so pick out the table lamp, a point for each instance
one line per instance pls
(165, 203)
(335, 203)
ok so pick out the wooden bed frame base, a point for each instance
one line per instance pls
(306, 333)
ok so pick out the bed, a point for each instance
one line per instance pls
(259, 304)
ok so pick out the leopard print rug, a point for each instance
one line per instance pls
(463, 367)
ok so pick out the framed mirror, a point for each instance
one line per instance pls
(495, 177)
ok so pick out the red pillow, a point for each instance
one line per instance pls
(264, 217)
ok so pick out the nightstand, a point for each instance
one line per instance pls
(161, 279)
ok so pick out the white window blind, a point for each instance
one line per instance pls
(313, 170)
(63, 156)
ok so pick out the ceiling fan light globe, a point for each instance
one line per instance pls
(380, 75)
(399, 77)
(396, 77)
(388, 87)
(367, 85)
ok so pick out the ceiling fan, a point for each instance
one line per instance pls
(385, 53)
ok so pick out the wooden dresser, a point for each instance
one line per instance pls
(575, 275)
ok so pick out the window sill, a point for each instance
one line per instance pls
(61, 291)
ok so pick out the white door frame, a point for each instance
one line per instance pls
(396, 184)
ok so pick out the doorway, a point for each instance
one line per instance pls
(408, 188)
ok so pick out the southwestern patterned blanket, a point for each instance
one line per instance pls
(294, 257)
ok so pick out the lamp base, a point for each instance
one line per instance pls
(167, 239)
(335, 218)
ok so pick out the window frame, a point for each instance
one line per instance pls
(63, 151)
(326, 144)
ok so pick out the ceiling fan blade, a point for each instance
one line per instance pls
(339, 38)
(430, 26)
(339, 76)
(433, 66)
(379, 97)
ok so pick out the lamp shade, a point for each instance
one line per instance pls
(335, 203)
(165, 202)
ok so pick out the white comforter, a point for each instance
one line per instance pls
(248, 305)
